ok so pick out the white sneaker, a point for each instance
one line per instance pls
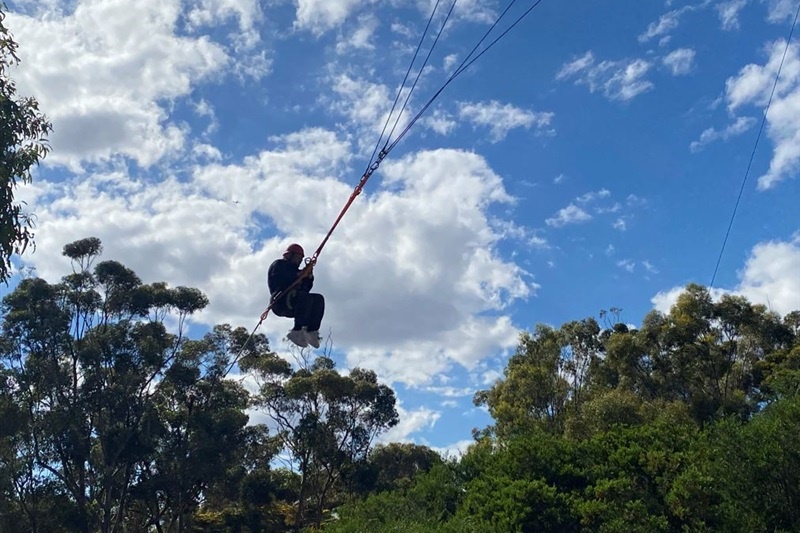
(298, 337)
(313, 338)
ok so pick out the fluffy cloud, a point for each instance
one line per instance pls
(361, 37)
(739, 126)
(572, 214)
(665, 24)
(770, 277)
(780, 10)
(617, 80)
(211, 12)
(753, 86)
(439, 121)
(457, 449)
(626, 264)
(412, 277)
(501, 118)
(680, 61)
(412, 421)
(319, 16)
(367, 105)
(594, 195)
(729, 13)
(669, 21)
(105, 74)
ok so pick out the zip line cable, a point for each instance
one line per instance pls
(403, 84)
(413, 86)
(464, 66)
(376, 161)
(755, 147)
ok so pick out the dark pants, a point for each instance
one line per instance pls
(307, 309)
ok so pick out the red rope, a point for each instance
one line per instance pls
(313, 261)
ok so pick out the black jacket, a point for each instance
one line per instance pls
(282, 274)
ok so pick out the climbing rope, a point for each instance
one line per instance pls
(378, 156)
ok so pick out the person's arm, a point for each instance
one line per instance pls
(308, 282)
(281, 275)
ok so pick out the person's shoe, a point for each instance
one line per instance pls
(313, 338)
(298, 337)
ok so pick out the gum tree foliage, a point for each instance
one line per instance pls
(117, 424)
(687, 423)
(326, 421)
(23, 143)
(718, 359)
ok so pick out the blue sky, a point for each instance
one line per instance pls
(590, 160)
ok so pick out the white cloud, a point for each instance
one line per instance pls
(572, 214)
(614, 208)
(729, 13)
(752, 87)
(426, 243)
(439, 121)
(665, 24)
(649, 267)
(367, 105)
(501, 118)
(669, 21)
(576, 66)
(361, 37)
(213, 12)
(558, 180)
(204, 109)
(410, 422)
(450, 391)
(620, 224)
(635, 201)
(780, 10)
(770, 277)
(457, 449)
(610, 250)
(479, 11)
(450, 61)
(741, 125)
(592, 196)
(319, 16)
(489, 377)
(626, 264)
(680, 61)
(206, 151)
(469, 10)
(105, 75)
(618, 80)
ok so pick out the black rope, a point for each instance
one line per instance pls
(402, 85)
(408, 96)
(464, 66)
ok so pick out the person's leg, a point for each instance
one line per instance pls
(303, 307)
(296, 334)
(279, 309)
(316, 312)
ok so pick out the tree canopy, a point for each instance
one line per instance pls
(115, 420)
(23, 143)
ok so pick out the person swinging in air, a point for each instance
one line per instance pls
(300, 303)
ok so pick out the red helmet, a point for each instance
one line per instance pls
(294, 249)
